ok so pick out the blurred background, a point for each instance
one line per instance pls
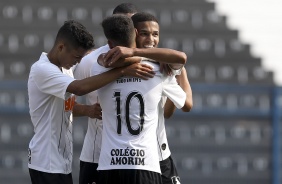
(232, 135)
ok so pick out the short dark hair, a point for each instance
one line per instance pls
(143, 17)
(76, 35)
(120, 29)
(125, 8)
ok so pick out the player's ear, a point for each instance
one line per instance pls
(110, 43)
(136, 31)
(60, 46)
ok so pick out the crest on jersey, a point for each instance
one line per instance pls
(175, 180)
(69, 103)
(163, 146)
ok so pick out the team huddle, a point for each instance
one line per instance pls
(131, 86)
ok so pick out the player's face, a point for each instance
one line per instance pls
(70, 56)
(148, 34)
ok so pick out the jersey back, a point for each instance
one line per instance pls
(130, 119)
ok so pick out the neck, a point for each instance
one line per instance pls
(52, 58)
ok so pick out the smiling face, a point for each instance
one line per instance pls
(148, 34)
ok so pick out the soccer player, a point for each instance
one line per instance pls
(90, 153)
(166, 109)
(148, 37)
(91, 147)
(130, 114)
(50, 91)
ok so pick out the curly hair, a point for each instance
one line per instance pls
(76, 35)
(143, 17)
(120, 29)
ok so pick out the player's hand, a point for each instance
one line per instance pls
(165, 69)
(95, 111)
(117, 52)
(139, 70)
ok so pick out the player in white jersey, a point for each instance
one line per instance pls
(148, 37)
(91, 147)
(130, 115)
(166, 109)
(92, 142)
(50, 89)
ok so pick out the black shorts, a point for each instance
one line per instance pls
(169, 172)
(129, 176)
(88, 173)
(38, 177)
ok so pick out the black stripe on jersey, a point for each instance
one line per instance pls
(68, 140)
(62, 122)
(96, 132)
(65, 121)
(95, 141)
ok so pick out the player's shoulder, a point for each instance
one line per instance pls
(154, 64)
(91, 58)
(43, 65)
(98, 51)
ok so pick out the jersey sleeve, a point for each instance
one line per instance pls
(95, 68)
(173, 91)
(176, 72)
(83, 69)
(50, 79)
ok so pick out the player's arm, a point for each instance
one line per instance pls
(91, 111)
(183, 82)
(119, 63)
(174, 58)
(169, 108)
(87, 85)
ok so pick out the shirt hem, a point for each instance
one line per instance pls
(47, 171)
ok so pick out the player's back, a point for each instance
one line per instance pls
(130, 116)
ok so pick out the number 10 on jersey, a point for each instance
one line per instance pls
(129, 98)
